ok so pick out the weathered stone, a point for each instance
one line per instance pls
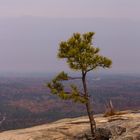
(117, 130)
(128, 138)
(103, 134)
(76, 128)
(137, 136)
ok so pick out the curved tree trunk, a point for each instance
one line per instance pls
(88, 107)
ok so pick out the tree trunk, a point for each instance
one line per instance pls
(88, 107)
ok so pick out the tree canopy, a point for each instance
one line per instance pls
(81, 55)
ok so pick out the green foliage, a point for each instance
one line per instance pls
(62, 76)
(80, 54)
(56, 87)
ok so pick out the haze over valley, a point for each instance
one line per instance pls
(107, 79)
(25, 101)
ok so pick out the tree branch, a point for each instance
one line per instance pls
(89, 70)
(2, 120)
(74, 78)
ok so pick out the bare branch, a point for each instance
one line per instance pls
(74, 78)
(3, 119)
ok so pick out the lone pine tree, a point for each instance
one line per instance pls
(81, 56)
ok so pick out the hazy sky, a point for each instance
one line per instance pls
(30, 31)
(71, 8)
